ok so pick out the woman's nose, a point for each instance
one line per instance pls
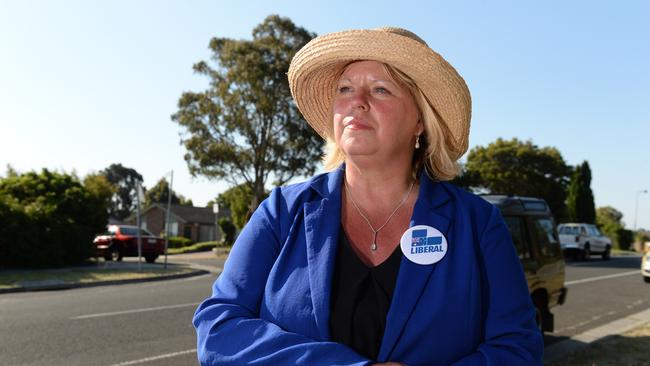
(360, 101)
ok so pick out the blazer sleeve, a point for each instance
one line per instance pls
(229, 328)
(511, 336)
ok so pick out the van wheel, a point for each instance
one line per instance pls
(543, 316)
(646, 279)
(607, 253)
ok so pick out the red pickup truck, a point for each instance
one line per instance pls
(122, 241)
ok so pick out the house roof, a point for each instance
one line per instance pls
(185, 214)
(190, 214)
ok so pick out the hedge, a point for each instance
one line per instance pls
(49, 219)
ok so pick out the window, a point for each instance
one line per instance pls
(128, 231)
(543, 233)
(173, 229)
(516, 228)
(133, 231)
(593, 231)
(535, 206)
(569, 230)
(187, 231)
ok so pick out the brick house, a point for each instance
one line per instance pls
(198, 224)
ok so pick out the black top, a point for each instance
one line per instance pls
(361, 296)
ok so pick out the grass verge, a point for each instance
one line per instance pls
(627, 349)
(623, 252)
(198, 247)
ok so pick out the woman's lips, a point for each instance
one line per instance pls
(354, 124)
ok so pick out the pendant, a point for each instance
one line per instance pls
(373, 247)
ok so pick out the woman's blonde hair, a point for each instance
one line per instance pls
(433, 155)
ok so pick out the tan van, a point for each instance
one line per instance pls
(535, 237)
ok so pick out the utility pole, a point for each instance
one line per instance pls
(169, 204)
(138, 198)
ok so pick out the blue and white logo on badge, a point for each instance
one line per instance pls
(423, 244)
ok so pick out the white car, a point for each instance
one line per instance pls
(645, 266)
(583, 240)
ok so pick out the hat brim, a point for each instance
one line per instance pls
(315, 69)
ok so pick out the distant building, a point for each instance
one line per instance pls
(198, 224)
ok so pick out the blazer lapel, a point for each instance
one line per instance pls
(412, 278)
(322, 226)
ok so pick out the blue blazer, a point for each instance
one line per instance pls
(270, 305)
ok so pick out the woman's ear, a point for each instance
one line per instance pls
(419, 127)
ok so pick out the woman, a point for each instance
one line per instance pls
(379, 260)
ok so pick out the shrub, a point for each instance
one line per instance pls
(179, 242)
(228, 229)
(49, 219)
(624, 238)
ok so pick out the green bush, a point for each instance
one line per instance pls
(179, 242)
(198, 247)
(49, 219)
(228, 229)
(624, 238)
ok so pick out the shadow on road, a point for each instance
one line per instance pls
(620, 262)
(550, 339)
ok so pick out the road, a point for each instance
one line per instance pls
(599, 292)
(108, 325)
(149, 323)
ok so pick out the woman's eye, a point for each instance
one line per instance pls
(381, 90)
(344, 89)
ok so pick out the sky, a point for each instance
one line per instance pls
(87, 84)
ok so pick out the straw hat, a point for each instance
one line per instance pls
(315, 69)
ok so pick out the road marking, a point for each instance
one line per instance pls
(592, 279)
(155, 358)
(134, 311)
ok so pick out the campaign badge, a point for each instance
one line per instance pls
(423, 244)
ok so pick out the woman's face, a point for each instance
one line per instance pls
(373, 115)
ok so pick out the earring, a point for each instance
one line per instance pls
(417, 141)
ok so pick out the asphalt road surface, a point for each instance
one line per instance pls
(599, 292)
(137, 324)
(149, 323)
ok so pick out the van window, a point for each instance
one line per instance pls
(593, 231)
(543, 233)
(516, 228)
(569, 230)
(534, 206)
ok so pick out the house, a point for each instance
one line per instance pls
(198, 224)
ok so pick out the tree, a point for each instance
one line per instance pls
(238, 199)
(11, 172)
(580, 198)
(515, 167)
(101, 192)
(246, 127)
(160, 194)
(610, 222)
(125, 181)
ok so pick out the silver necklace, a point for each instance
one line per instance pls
(373, 246)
